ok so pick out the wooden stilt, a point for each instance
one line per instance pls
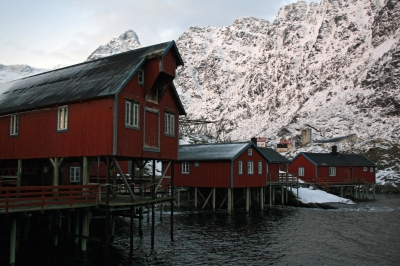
(262, 198)
(13, 240)
(19, 173)
(141, 221)
(132, 228)
(85, 229)
(229, 200)
(179, 197)
(247, 199)
(77, 219)
(195, 197)
(153, 196)
(213, 198)
(172, 201)
(112, 228)
(270, 195)
(282, 195)
(161, 212)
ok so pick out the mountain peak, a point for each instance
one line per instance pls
(125, 42)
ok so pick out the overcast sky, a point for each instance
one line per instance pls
(46, 33)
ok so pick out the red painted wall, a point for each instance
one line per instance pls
(207, 174)
(89, 132)
(250, 180)
(131, 141)
(309, 168)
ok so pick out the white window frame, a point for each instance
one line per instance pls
(141, 77)
(371, 169)
(250, 167)
(62, 118)
(132, 114)
(300, 171)
(365, 169)
(169, 124)
(74, 174)
(250, 152)
(185, 168)
(332, 171)
(260, 168)
(14, 125)
(240, 167)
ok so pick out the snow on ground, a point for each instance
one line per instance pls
(308, 195)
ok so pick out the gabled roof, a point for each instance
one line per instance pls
(93, 79)
(214, 152)
(273, 156)
(329, 159)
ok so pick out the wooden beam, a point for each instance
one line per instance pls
(162, 176)
(123, 178)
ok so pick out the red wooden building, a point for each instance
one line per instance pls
(124, 106)
(57, 126)
(333, 168)
(228, 167)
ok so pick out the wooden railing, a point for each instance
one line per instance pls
(42, 196)
(281, 177)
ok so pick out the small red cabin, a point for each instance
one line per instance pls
(333, 168)
(124, 106)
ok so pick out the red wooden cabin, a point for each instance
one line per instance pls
(124, 106)
(333, 168)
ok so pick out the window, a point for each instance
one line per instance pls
(62, 118)
(371, 169)
(14, 123)
(197, 164)
(301, 171)
(240, 167)
(332, 171)
(250, 168)
(250, 152)
(185, 168)
(141, 77)
(365, 169)
(74, 174)
(169, 126)
(132, 114)
(259, 168)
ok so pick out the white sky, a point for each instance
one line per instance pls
(45, 33)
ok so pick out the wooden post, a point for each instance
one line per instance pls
(85, 229)
(153, 196)
(270, 195)
(108, 181)
(213, 198)
(195, 197)
(141, 221)
(13, 240)
(229, 200)
(172, 201)
(19, 173)
(132, 228)
(86, 171)
(112, 231)
(161, 211)
(247, 199)
(56, 178)
(262, 198)
(77, 219)
(179, 197)
(282, 195)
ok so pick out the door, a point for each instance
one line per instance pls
(151, 130)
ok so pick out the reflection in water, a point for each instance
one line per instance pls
(361, 234)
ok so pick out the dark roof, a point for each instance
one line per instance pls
(88, 80)
(274, 156)
(334, 139)
(212, 152)
(329, 159)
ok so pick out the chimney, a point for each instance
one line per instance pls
(254, 140)
(334, 150)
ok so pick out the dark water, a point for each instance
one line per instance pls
(363, 234)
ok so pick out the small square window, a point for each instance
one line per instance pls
(74, 174)
(197, 164)
(185, 168)
(250, 152)
(371, 169)
(141, 77)
(365, 169)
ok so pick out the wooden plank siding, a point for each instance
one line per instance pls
(250, 180)
(309, 168)
(89, 132)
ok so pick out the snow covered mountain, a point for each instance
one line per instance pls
(126, 42)
(331, 65)
(12, 72)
